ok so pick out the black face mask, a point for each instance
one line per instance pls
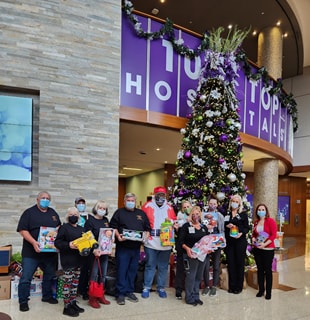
(73, 219)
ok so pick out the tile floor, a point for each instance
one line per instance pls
(294, 272)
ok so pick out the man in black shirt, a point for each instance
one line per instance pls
(128, 221)
(39, 215)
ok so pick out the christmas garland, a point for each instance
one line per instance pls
(167, 30)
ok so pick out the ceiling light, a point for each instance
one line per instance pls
(155, 11)
(279, 23)
(121, 174)
(229, 26)
(285, 35)
(157, 149)
(162, 1)
(132, 169)
(254, 33)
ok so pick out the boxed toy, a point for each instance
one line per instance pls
(5, 287)
(46, 239)
(106, 239)
(35, 288)
(133, 235)
(5, 258)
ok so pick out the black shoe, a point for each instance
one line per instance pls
(230, 291)
(70, 311)
(193, 303)
(76, 307)
(268, 296)
(24, 307)
(237, 291)
(50, 300)
(85, 296)
(178, 295)
(120, 300)
(259, 294)
(198, 301)
(131, 297)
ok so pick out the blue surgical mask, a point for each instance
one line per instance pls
(234, 205)
(81, 207)
(44, 203)
(261, 214)
(130, 205)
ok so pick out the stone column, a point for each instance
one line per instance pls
(270, 51)
(266, 175)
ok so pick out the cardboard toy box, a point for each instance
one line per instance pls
(5, 258)
(252, 279)
(35, 288)
(5, 287)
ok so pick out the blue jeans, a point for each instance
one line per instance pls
(127, 263)
(94, 274)
(159, 259)
(48, 265)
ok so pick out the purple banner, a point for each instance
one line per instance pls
(155, 78)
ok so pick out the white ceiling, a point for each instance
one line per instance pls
(138, 142)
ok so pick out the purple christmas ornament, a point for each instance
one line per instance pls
(187, 154)
(221, 160)
(223, 137)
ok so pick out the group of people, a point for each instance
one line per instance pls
(190, 226)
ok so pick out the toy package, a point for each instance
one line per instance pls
(106, 239)
(262, 237)
(203, 247)
(133, 235)
(46, 239)
(167, 234)
(219, 241)
(234, 231)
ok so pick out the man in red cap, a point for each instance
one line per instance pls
(157, 211)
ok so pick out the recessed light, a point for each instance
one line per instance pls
(155, 11)
(157, 149)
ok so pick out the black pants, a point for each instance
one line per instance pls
(235, 254)
(263, 259)
(179, 279)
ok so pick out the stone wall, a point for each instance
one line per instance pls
(66, 56)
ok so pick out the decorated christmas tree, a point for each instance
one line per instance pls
(210, 159)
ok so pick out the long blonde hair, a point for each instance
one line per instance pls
(236, 196)
(193, 209)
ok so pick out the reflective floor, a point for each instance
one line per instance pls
(290, 302)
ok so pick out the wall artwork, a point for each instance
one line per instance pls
(15, 138)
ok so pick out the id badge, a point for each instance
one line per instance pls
(226, 219)
(191, 230)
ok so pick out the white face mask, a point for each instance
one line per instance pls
(234, 205)
(101, 213)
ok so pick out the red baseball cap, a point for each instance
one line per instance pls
(160, 190)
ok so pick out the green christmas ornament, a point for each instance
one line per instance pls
(210, 150)
(199, 118)
(176, 181)
(185, 140)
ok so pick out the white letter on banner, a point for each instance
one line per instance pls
(169, 55)
(191, 93)
(187, 68)
(275, 104)
(164, 84)
(265, 125)
(266, 106)
(130, 83)
(252, 114)
(274, 130)
(253, 84)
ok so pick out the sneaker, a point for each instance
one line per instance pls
(24, 307)
(76, 307)
(178, 295)
(162, 293)
(120, 300)
(212, 292)
(145, 293)
(131, 297)
(205, 291)
(50, 300)
(69, 311)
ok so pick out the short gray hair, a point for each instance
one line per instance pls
(130, 195)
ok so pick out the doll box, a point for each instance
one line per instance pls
(252, 279)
